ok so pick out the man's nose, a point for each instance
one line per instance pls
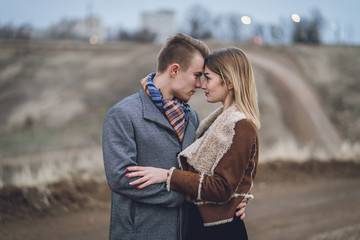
(198, 83)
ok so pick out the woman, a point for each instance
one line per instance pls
(219, 168)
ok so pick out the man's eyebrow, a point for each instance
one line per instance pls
(206, 73)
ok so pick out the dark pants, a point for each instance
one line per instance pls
(196, 231)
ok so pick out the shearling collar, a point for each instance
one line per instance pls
(205, 153)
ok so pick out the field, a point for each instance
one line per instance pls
(54, 96)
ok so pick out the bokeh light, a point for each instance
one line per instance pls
(94, 40)
(246, 20)
(258, 40)
(295, 17)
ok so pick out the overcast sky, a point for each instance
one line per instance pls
(126, 14)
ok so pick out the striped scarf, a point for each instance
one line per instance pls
(175, 110)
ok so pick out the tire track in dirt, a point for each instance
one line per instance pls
(285, 77)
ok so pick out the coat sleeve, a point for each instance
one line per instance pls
(229, 172)
(120, 152)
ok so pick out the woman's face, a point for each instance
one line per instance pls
(215, 91)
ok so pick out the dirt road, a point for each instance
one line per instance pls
(293, 87)
(321, 210)
(292, 206)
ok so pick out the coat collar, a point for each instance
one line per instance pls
(206, 152)
(151, 112)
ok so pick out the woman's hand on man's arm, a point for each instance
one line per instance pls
(148, 175)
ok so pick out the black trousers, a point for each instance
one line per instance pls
(227, 231)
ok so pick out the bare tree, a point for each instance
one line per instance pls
(200, 22)
(277, 33)
(300, 32)
(308, 31)
(259, 31)
(235, 26)
(315, 27)
(23, 32)
(64, 29)
(8, 31)
(143, 35)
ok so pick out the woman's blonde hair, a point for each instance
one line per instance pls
(232, 65)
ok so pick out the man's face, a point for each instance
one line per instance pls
(187, 81)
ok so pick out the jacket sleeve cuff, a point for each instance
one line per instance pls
(200, 186)
(169, 178)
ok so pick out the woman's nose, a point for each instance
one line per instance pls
(203, 85)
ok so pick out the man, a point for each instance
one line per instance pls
(150, 128)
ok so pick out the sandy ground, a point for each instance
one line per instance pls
(327, 209)
(295, 204)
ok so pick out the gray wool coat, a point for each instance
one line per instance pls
(136, 133)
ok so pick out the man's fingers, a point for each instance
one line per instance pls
(242, 216)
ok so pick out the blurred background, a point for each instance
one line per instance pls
(63, 64)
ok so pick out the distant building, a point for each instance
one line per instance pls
(91, 28)
(162, 23)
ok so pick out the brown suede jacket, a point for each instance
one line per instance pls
(218, 194)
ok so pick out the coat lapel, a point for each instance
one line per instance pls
(152, 113)
(190, 128)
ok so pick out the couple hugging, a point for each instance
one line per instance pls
(171, 176)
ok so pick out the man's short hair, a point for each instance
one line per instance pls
(180, 48)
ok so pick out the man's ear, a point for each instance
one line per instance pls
(174, 69)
